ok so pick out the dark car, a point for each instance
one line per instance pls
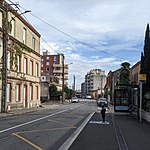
(102, 102)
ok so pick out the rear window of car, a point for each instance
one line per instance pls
(102, 99)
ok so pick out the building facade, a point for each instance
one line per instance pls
(135, 71)
(95, 81)
(52, 70)
(23, 61)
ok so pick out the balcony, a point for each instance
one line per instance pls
(66, 71)
(66, 66)
(66, 77)
(57, 65)
(57, 71)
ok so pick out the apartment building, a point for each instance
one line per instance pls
(95, 81)
(23, 61)
(52, 70)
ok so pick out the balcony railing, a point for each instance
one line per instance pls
(57, 71)
(57, 65)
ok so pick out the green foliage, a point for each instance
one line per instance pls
(68, 92)
(124, 77)
(53, 90)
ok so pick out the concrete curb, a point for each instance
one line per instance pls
(23, 111)
(72, 138)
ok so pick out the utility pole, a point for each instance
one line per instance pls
(4, 66)
(74, 82)
(63, 70)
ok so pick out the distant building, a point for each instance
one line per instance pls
(135, 71)
(111, 84)
(83, 90)
(51, 72)
(108, 86)
(95, 81)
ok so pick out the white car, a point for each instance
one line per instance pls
(101, 102)
(74, 100)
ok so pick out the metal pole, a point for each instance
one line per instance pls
(140, 101)
(4, 67)
(74, 82)
(62, 78)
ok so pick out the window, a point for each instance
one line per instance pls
(24, 35)
(1, 19)
(54, 58)
(8, 60)
(37, 92)
(33, 43)
(31, 67)
(54, 62)
(17, 92)
(18, 63)
(47, 69)
(8, 92)
(31, 92)
(47, 58)
(47, 63)
(37, 70)
(25, 66)
(1, 47)
(12, 27)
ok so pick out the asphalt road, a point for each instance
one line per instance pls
(44, 129)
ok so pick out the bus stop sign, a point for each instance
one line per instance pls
(142, 77)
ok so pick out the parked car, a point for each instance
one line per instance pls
(102, 102)
(74, 100)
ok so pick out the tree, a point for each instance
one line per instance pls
(68, 92)
(124, 77)
(53, 90)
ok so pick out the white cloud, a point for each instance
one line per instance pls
(112, 26)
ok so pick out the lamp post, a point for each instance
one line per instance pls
(5, 57)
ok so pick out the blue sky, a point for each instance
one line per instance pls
(102, 33)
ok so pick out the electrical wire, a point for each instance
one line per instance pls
(72, 37)
(30, 31)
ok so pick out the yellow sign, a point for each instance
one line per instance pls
(142, 77)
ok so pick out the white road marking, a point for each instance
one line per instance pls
(23, 124)
(99, 122)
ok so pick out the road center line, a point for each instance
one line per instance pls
(23, 124)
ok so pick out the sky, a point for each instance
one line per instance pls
(92, 34)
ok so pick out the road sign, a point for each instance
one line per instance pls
(142, 77)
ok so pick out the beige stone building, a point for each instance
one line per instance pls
(23, 63)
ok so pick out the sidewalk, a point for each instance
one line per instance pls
(128, 133)
(47, 105)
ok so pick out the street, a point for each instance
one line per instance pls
(45, 129)
(74, 126)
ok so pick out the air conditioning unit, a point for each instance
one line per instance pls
(43, 78)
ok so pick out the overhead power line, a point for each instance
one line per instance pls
(86, 44)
